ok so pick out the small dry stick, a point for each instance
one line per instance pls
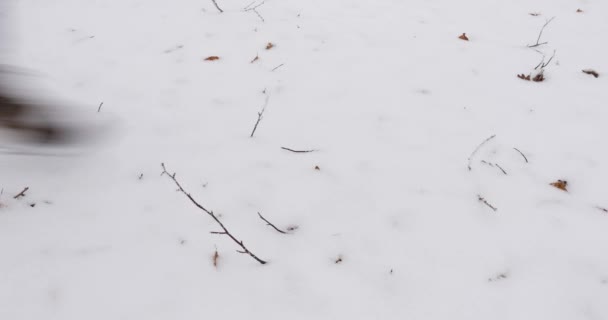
(522, 154)
(249, 5)
(494, 165)
(275, 68)
(540, 34)
(298, 151)
(270, 224)
(22, 193)
(212, 215)
(99, 109)
(260, 116)
(477, 149)
(602, 209)
(543, 64)
(480, 198)
(218, 7)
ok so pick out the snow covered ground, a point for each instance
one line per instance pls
(390, 225)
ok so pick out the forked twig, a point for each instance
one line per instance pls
(22, 193)
(251, 7)
(212, 215)
(542, 64)
(540, 34)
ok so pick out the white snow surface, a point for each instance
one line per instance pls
(392, 102)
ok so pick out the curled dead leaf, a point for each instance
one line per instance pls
(560, 184)
(317, 168)
(212, 58)
(579, 10)
(269, 46)
(464, 37)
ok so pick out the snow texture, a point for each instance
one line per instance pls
(392, 102)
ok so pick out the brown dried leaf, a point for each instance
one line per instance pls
(463, 37)
(591, 72)
(524, 77)
(560, 184)
(269, 46)
(212, 58)
(216, 257)
(317, 168)
(538, 78)
(579, 10)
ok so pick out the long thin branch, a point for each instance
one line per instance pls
(260, 116)
(218, 7)
(477, 149)
(211, 214)
(540, 34)
(270, 224)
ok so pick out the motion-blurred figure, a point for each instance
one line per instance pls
(14, 115)
(26, 116)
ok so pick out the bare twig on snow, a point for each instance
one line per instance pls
(270, 224)
(481, 199)
(298, 151)
(477, 149)
(522, 154)
(494, 165)
(275, 68)
(218, 7)
(22, 193)
(212, 215)
(260, 116)
(540, 34)
(253, 8)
